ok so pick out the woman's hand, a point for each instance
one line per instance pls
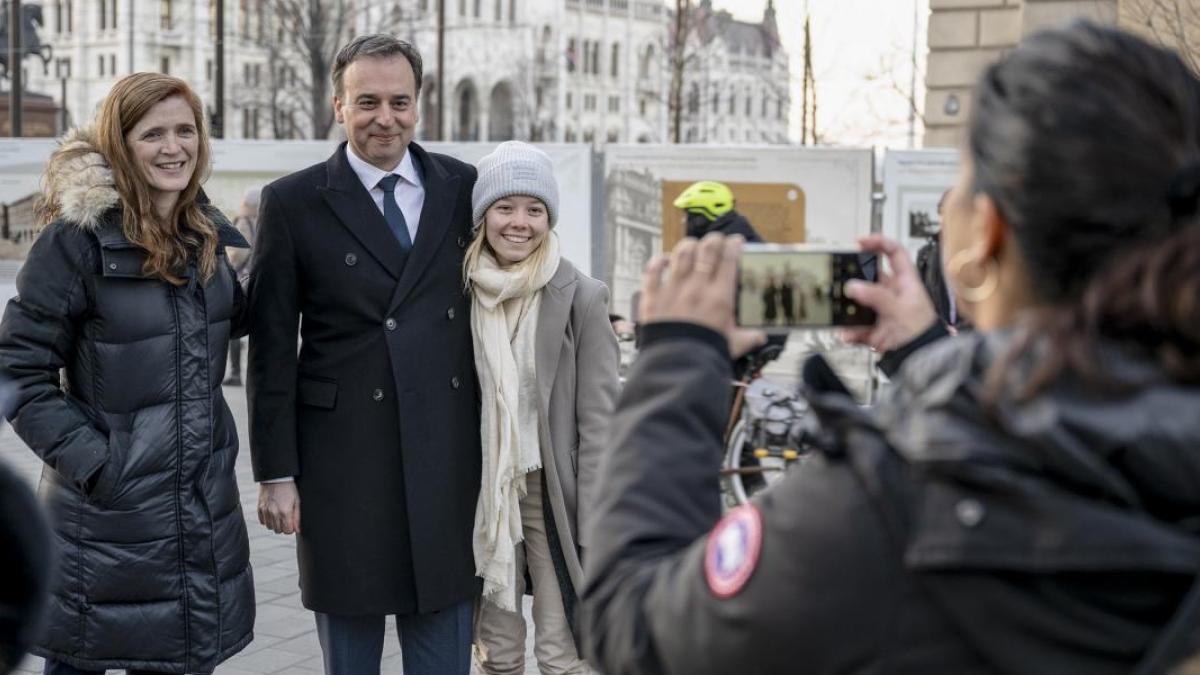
(902, 306)
(697, 284)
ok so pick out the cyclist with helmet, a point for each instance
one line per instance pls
(709, 208)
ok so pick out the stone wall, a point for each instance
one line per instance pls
(967, 35)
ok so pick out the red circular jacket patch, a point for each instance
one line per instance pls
(732, 552)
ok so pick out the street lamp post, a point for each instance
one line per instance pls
(218, 115)
(14, 68)
(441, 71)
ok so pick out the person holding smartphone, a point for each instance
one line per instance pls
(1024, 499)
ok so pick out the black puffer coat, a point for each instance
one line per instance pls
(138, 442)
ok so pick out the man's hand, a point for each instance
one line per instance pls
(279, 507)
(902, 306)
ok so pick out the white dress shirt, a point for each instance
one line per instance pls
(410, 190)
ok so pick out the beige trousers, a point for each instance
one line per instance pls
(500, 635)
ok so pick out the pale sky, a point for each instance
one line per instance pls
(862, 64)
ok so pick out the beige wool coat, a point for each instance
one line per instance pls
(576, 361)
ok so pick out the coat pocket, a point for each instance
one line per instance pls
(318, 392)
(105, 487)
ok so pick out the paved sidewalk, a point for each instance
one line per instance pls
(285, 637)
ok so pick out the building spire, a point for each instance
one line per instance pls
(768, 23)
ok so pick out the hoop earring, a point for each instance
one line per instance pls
(981, 291)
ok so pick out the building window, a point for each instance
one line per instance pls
(749, 105)
(499, 14)
(646, 62)
(642, 107)
(164, 65)
(779, 109)
(244, 18)
(732, 104)
(477, 8)
(462, 7)
(587, 56)
(570, 100)
(596, 57)
(208, 70)
(164, 13)
(103, 14)
(571, 55)
(100, 59)
(58, 17)
(112, 15)
(616, 59)
(764, 106)
(245, 123)
(693, 100)
(613, 136)
(512, 11)
(716, 103)
(112, 64)
(614, 104)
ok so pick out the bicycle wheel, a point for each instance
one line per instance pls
(731, 479)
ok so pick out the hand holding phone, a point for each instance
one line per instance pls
(695, 284)
(789, 287)
(899, 299)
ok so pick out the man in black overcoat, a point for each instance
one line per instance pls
(366, 439)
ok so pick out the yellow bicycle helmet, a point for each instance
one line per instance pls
(708, 198)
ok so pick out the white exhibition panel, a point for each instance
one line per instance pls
(240, 164)
(913, 183)
(837, 185)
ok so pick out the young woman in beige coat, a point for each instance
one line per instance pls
(547, 360)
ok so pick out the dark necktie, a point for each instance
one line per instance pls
(392, 213)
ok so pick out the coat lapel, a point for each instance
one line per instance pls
(356, 211)
(553, 316)
(441, 198)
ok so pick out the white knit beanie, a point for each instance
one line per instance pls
(514, 168)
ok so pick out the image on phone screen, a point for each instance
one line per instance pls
(785, 288)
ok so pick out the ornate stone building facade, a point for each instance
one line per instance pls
(736, 86)
(541, 70)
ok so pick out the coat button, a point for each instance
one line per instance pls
(969, 512)
(377, 395)
(390, 324)
(450, 313)
(454, 382)
(112, 266)
(351, 259)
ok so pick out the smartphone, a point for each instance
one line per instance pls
(796, 286)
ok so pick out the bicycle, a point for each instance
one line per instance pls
(768, 432)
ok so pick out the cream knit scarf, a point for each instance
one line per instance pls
(504, 313)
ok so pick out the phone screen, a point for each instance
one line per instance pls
(785, 287)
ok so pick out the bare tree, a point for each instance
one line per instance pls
(678, 60)
(305, 36)
(1173, 23)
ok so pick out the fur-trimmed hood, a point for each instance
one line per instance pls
(78, 180)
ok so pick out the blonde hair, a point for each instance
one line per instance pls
(187, 233)
(479, 244)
